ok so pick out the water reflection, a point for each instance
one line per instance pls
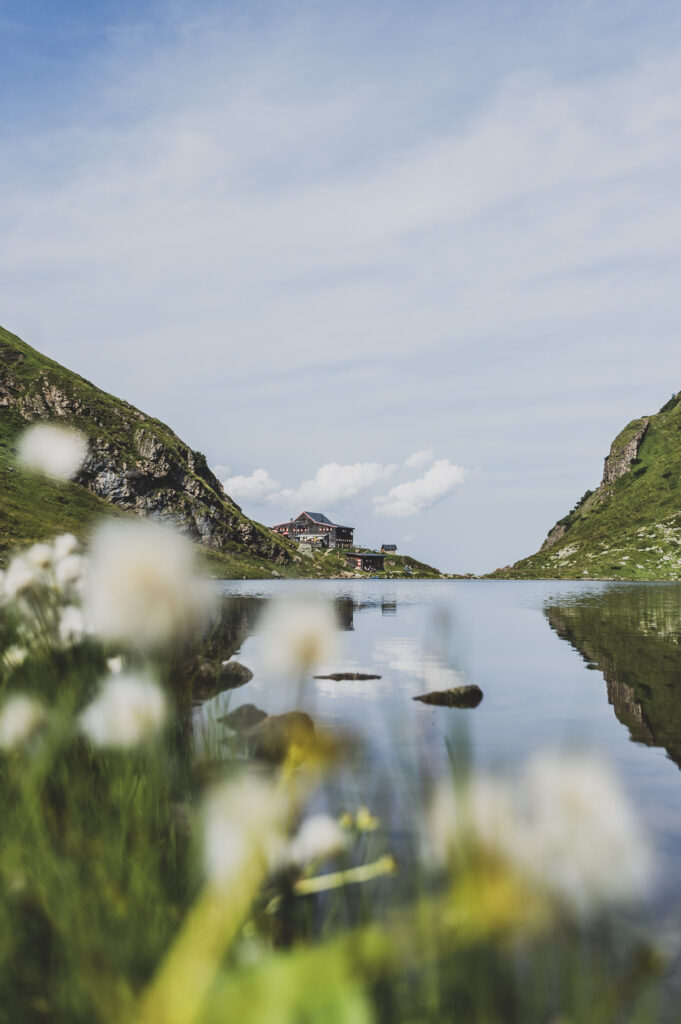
(632, 634)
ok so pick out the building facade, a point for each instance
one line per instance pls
(365, 560)
(315, 528)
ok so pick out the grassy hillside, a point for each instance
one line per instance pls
(147, 468)
(629, 527)
(136, 465)
(31, 507)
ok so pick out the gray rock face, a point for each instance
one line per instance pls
(622, 456)
(137, 463)
(558, 531)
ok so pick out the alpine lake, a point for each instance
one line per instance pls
(562, 665)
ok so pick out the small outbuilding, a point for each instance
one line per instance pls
(364, 560)
(388, 549)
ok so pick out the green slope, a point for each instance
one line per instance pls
(630, 526)
(136, 465)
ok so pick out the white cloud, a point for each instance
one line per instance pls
(334, 483)
(420, 458)
(253, 488)
(416, 495)
(221, 472)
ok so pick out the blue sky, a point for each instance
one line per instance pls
(320, 239)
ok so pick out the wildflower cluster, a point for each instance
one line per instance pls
(564, 827)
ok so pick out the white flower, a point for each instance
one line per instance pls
(299, 634)
(319, 837)
(128, 709)
(243, 819)
(71, 625)
(582, 841)
(114, 665)
(15, 656)
(19, 717)
(480, 810)
(70, 570)
(65, 544)
(20, 576)
(39, 556)
(564, 825)
(56, 451)
(143, 588)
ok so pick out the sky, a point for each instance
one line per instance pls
(410, 264)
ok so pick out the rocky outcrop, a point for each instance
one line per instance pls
(624, 451)
(556, 534)
(620, 460)
(135, 461)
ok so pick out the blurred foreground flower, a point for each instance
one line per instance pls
(143, 587)
(71, 625)
(19, 718)
(39, 556)
(63, 545)
(14, 656)
(243, 819)
(20, 577)
(563, 827)
(299, 633)
(55, 451)
(319, 837)
(583, 839)
(128, 709)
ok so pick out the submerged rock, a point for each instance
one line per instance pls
(243, 718)
(272, 737)
(458, 697)
(337, 676)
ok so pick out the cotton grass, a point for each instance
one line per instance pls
(319, 837)
(129, 709)
(243, 819)
(19, 718)
(299, 635)
(55, 451)
(564, 826)
(143, 588)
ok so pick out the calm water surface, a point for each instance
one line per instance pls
(561, 665)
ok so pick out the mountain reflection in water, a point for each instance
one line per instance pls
(632, 634)
(539, 694)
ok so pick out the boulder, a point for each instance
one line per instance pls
(244, 718)
(211, 677)
(233, 674)
(272, 737)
